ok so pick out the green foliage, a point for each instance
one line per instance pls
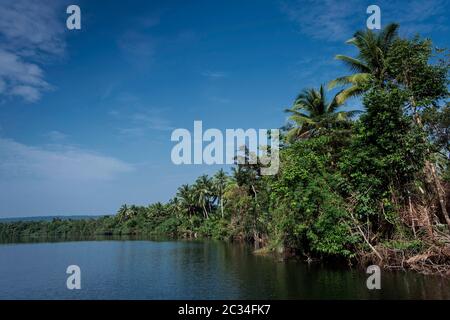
(308, 213)
(408, 64)
(387, 149)
(215, 228)
(412, 245)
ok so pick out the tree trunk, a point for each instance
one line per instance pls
(411, 215)
(205, 211)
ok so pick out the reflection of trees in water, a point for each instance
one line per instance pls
(263, 277)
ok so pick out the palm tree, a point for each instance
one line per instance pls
(121, 214)
(185, 195)
(220, 181)
(311, 111)
(175, 206)
(157, 208)
(203, 193)
(370, 62)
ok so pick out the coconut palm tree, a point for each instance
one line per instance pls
(220, 181)
(370, 62)
(203, 193)
(157, 209)
(121, 213)
(312, 111)
(175, 207)
(185, 195)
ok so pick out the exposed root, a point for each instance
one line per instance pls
(434, 259)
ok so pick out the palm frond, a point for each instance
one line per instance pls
(348, 93)
(301, 120)
(296, 112)
(388, 34)
(353, 63)
(356, 78)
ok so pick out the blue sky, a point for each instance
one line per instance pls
(86, 116)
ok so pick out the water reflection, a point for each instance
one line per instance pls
(133, 268)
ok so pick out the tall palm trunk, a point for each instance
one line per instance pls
(205, 211)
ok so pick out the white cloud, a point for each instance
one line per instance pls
(20, 78)
(21, 71)
(61, 162)
(29, 93)
(31, 32)
(33, 27)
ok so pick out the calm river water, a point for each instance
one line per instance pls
(189, 270)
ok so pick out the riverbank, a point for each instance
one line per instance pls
(430, 258)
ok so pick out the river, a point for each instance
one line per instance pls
(141, 269)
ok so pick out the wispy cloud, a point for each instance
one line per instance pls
(56, 136)
(152, 120)
(138, 48)
(136, 43)
(214, 74)
(132, 132)
(316, 70)
(60, 162)
(20, 78)
(328, 20)
(32, 27)
(135, 117)
(337, 20)
(141, 42)
(141, 123)
(417, 16)
(218, 99)
(30, 34)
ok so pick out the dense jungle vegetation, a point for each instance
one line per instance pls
(367, 186)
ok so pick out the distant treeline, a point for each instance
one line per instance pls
(49, 218)
(371, 188)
